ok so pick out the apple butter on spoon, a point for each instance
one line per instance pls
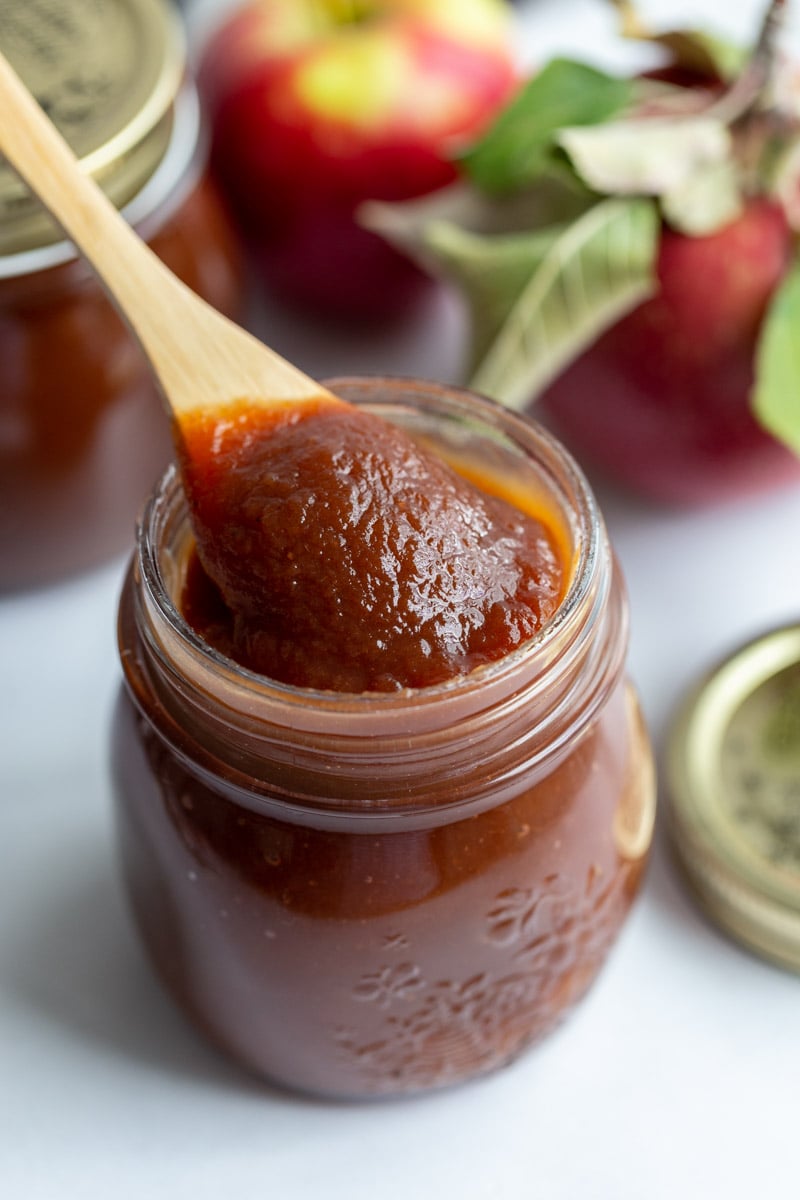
(350, 558)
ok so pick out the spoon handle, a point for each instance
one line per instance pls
(200, 358)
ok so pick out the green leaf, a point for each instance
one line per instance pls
(557, 198)
(645, 157)
(519, 146)
(491, 272)
(597, 269)
(776, 395)
(704, 52)
(694, 49)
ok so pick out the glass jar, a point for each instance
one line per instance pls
(370, 894)
(83, 435)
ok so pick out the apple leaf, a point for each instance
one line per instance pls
(592, 272)
(776, 396)
(491, 272)
(645, 157)
(704, 52)
(705, 202)
(519, 145)
(693, 49)
(557, 198)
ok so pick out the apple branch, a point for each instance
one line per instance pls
(746, 92)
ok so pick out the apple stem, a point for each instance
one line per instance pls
(346, 12)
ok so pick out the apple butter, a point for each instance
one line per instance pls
(350, 558)
(365, 893)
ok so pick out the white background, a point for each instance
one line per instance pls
(677, 1077)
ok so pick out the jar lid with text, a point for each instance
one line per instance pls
(107, 73)
(734, 783)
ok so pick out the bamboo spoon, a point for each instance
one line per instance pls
(201, 359)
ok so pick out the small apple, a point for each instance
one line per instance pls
(671, 383)
(318, 105)
(661, 401)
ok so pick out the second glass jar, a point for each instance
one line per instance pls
(83, 433)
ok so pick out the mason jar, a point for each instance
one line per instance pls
(361, 895)
(83, 435)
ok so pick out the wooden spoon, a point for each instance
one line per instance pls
(201, 359)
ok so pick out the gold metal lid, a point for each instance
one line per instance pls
(734, 783)
(107, 72)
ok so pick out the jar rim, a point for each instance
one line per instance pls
(308, 706)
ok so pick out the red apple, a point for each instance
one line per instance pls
(318, 105)
(661, 401)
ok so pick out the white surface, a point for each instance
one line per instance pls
(678, 1075)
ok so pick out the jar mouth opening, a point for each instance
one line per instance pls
(165, 518)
